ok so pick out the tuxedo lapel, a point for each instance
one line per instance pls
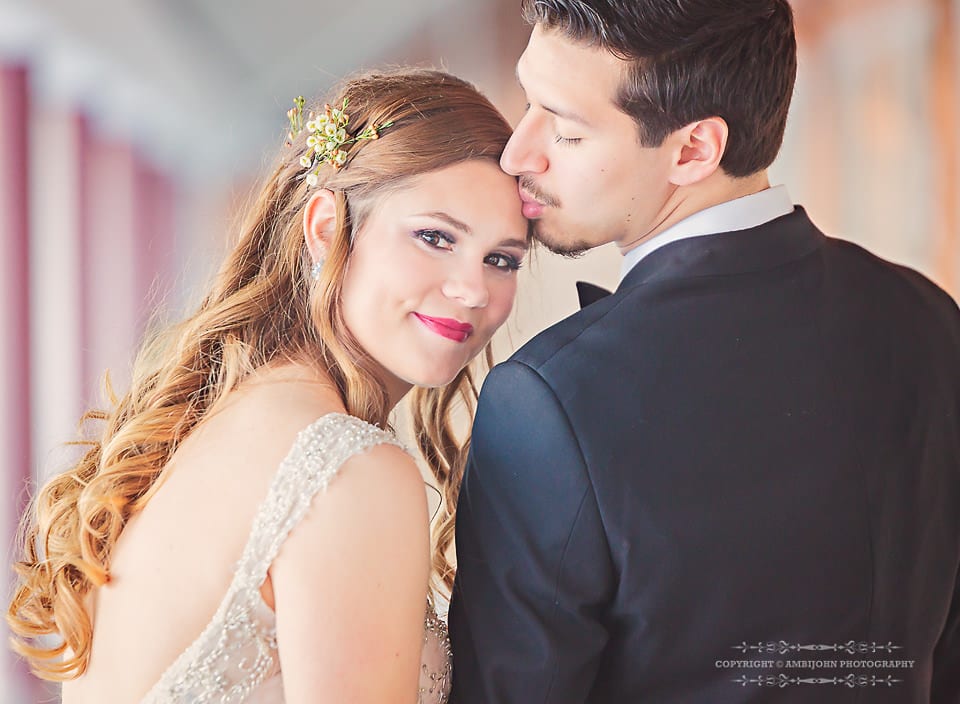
(589, 293)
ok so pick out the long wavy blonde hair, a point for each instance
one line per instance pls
(263, 307)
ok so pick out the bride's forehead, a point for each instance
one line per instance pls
(475, 198)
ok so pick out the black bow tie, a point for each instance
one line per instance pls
(590, 293)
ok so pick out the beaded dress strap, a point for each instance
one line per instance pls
(236, 651)
(313, 461)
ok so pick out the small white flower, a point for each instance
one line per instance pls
(305, 161)
(340, 158)
(322, 148)
(342, 135)
(322, 120)
(312, 126)
(312, 180)
(312, 141)
(330, 129)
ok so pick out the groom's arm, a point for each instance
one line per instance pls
(534, 570)
(945, 685)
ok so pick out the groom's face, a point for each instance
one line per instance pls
(584, 177)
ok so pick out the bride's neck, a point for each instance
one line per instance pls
(299, 371)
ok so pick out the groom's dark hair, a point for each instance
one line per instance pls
(693, 59)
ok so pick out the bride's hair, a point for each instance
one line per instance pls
(264, 307)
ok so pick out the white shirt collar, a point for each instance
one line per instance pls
(739, 214)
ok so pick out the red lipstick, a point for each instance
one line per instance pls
(447, 327)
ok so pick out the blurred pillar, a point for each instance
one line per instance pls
(130, 241)
(113, 272)
(15, 449)
(945, 79)
(58, 296)
(155, 227)
(813, 140)
(511, 34)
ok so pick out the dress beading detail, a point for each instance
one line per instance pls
(234, 659)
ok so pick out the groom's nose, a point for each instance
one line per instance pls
(523, 155)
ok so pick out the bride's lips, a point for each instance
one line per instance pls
(447, 327)
(531, 208)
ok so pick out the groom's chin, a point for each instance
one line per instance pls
(557, 243)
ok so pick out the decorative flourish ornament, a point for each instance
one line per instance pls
(327, 137)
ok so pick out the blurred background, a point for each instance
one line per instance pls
(131, 131)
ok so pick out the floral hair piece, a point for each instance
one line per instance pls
(327, 137)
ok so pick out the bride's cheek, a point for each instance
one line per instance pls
(506, 305)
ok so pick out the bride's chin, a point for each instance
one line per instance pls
(435, 376)
(436, 381)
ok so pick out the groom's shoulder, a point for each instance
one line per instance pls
(890, 284)
(568, 337)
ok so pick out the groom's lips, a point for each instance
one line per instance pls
(531, 208)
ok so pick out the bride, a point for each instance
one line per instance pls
(247, 528)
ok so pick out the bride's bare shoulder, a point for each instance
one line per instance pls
(257, 423)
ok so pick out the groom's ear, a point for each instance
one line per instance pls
(319, 223)
(699, 147)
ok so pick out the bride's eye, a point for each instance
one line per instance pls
(436, 239)
(502, 261)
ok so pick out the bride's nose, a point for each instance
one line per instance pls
(466, 283)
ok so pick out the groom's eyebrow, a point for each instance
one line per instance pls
(562, 114)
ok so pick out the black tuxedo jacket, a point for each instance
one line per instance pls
(752, 446)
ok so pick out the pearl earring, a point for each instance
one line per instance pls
(316, 269)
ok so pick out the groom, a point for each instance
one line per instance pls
(736, 479)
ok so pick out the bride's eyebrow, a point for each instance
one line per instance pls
(522, 244)
(449, 219)
(465, 228)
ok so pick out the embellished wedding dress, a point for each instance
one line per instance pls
(235, 657)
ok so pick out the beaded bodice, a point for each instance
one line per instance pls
(235, 658)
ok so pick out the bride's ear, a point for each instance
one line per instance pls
(319, 223)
